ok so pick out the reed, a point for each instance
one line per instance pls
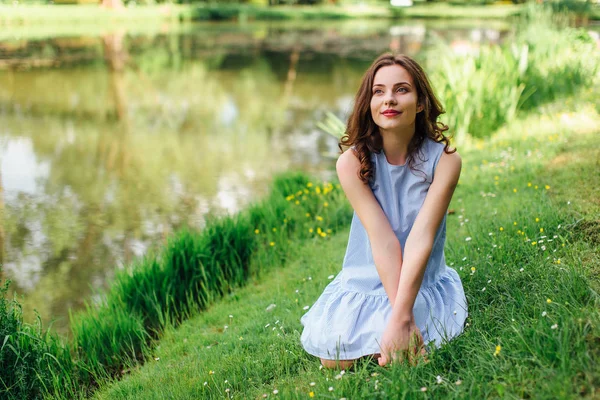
(33, 361)
(484, 90)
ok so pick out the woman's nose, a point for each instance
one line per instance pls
(389, 98)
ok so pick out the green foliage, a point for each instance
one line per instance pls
(574, 6)
(33, 362)
(480, 92)
(107, 339)
(483, 91)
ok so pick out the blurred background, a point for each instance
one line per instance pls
(124, 121)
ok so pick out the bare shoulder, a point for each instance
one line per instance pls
(347, 164)
(451, 158)
(448, 168)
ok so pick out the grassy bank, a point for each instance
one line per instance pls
(160, 290)
(91, 14)
(517, 237)
(505, 219)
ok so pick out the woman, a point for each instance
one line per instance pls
(395, 292)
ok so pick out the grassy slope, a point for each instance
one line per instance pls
(519, 273)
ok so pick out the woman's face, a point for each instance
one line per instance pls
(394, 105)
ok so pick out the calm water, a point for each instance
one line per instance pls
(110, 143)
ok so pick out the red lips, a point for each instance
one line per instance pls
(390, 113)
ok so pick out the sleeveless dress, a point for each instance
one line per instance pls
(348, 319)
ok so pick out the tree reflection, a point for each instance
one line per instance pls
(115, 55)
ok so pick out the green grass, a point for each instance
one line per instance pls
(527, 270)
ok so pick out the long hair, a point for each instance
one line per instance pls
(363, 133)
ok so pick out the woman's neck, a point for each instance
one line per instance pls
(395, 146)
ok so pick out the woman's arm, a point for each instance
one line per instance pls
(385, 246)
(420, 239)
(402, 336)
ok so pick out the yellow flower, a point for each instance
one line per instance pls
(311, 230)
(257, 231)
(547, 187)
(307, 215)
(318, 190)
(473, 269)
(311, 394)
(533, 243)
(274, 229)
(496, 178)
(211, 372)
(285, 220)
(548, 301)
(535, 187)
(501, 229)
(498, 348)
(515, 223)
(306, 191)
(326, 204)
(541, 230)
(515, 190)
(323, 234)
(537, 219)
(558, 261)
(328, 230)
(309, 184)
(319, 230)
(241, 338)
(528, 184)
(272, 244)
(290, 197)
(319, 218)
(297, 202)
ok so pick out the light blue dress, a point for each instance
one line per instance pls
(348, 319)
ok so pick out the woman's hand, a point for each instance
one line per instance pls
(401, 340)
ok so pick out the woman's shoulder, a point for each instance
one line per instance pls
(347, 166)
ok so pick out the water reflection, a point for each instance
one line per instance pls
(108, 144)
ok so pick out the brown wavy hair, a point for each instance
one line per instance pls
(363, 133)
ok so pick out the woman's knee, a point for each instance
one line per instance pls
(340, 364)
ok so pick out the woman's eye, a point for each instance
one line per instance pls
(377, 91)
(402, 90)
